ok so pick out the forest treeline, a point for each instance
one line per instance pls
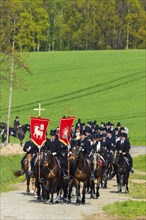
(57, 25)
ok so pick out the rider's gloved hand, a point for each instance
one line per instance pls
(54, 153)
(28, 149)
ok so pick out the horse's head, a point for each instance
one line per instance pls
(76, 152)
(47, 156)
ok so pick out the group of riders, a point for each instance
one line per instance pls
(16, 126)
(91, 137)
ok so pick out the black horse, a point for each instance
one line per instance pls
(19, 133)
(122, 169)
(106, 167)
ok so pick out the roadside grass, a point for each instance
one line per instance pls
(138, 176)
(96, 85)
(127, 209)
(137, 190)
(140, 163)
(7, 166)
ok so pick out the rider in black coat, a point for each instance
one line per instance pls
(124, 146)
(59, 150)
(16, 126)
(29, 148)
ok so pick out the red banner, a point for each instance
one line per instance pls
(65, 128)
(38, 129)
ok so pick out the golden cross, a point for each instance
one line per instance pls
(68, 109)
(39, 109)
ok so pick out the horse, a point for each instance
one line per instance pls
(52, 176)
(47, 172)
(106, 167)
(20, 132)
(81, 170)
(26, 167)
(97, 169)
(122, 168)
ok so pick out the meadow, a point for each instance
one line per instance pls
(91, 85)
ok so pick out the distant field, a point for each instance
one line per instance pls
(96, 85)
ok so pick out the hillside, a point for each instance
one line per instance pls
(96, 85)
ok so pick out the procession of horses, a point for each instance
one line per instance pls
(95, 154)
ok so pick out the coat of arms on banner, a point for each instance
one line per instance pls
(38, 129)
(65, 129)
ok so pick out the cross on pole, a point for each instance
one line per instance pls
(68, 109)
(39, 109)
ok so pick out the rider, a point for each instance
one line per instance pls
(124, 146)
(16, 126)
(58, 150)
(29, 148)
(86, 148)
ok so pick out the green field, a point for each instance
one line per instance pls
(96, 85)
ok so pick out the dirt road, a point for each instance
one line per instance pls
(15, 205)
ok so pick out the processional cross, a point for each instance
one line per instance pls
(68, 109)
(39, 109)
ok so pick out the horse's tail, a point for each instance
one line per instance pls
(17, 173)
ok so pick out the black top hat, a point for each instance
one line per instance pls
(96, 136)
(109, 131)
(122, 128)
(118, 124)
(124, 135)
(88, 130)
(52, 132)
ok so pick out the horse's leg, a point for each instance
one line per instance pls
(38, 190)
(104, 179)
(70, 190)
(85, 185)
(65, 187)
(126, 182)
(77, 184)
(33, 186)
(28, 184)
(97, 185)
(92, 185)
(120, 182)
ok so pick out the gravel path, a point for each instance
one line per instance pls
(15, 205)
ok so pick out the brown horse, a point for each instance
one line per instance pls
(97, 169)
(81, 173)
(26, 167)
(52, 175)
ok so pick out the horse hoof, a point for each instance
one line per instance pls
(83, 202)
(57, 202)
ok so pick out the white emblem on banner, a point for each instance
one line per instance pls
(38, 132)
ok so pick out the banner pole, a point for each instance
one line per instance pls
(39, 164)
(68, 163)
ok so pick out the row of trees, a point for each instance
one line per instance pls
(44, 25)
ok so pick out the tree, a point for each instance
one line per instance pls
(10, 59)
